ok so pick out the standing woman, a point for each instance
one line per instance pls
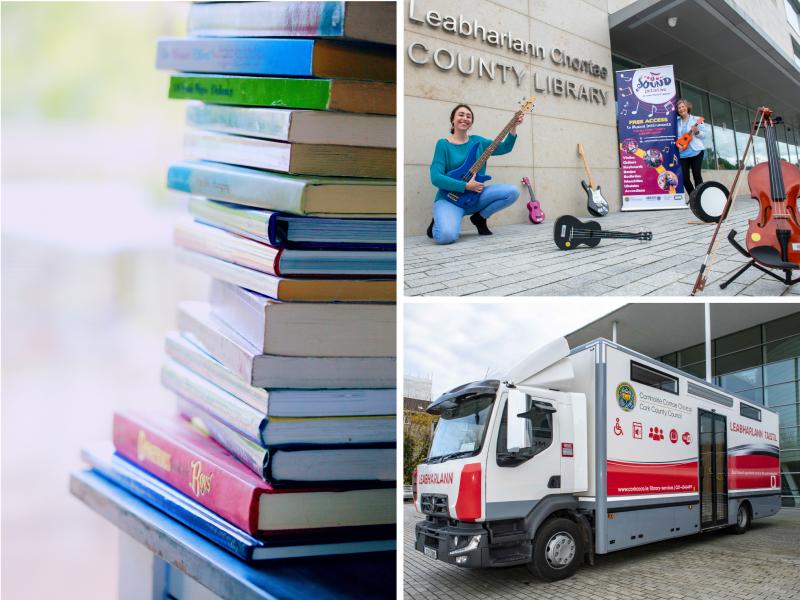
(692, 157)
(451, 152)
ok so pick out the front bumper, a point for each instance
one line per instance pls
(444, 539)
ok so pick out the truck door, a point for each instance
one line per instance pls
(713, 447)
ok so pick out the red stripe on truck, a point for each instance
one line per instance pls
(468, 502)
(751, 471)
(634, 479)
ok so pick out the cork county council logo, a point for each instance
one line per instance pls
(626, 397)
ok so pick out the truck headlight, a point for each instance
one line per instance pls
(473, 543)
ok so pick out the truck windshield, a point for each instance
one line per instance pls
(461, 429)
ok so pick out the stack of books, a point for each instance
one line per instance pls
(284, 439)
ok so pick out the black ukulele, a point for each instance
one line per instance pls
(569, 233)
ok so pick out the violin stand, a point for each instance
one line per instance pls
(769, 257)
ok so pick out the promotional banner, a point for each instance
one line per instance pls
(647, 128)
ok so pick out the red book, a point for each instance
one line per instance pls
(175, 452)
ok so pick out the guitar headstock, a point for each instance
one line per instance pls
(526, 181)
(527, 105)
(766, 113)
(646, 236)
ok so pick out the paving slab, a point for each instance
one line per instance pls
(521, 259)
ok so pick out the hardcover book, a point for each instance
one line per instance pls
(281, 288)
(300, 195)
(177, 454)
(274, 371)
(288, 157)
(254, 254)
(305, 329)
(238, 542)
(319, 94)
(275, 432)
(301, 126)
(292, 57)
(367, 21)
(319, 466)
(279, 402)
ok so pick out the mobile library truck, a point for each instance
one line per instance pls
(586, 452)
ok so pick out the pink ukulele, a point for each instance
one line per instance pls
(536, 213)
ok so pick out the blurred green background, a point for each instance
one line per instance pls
(89, 285)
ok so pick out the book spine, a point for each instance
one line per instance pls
(246, 222)
(302, 19)
(242, 56)
(243, 186)
(270, 123)
(251, 454)
(252, 91)
(226, 407)
(188, 470)
(191, 357)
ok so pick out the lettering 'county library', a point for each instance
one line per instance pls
(729, 57)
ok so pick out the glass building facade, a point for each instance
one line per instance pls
(761, 364)
(730, 125)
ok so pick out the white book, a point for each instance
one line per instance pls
(289, 157)
(274, 371)
(280, 402)
(295, 125)
(305, 328)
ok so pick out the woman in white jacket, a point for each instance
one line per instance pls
(692, 157)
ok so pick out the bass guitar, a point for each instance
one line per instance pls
(474, 163)
(683, 142)
(569, 233)
(595, 203)
(536, 214)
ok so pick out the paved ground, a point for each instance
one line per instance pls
(521, 260)
(763, 563)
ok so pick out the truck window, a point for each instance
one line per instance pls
(461, 429)
(749, 412)
(538, 436)
(654, 378)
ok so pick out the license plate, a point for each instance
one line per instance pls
(433, 553)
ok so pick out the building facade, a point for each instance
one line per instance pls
(753, 352)
(729, 56)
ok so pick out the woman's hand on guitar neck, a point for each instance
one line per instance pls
(474, 186)
(520, 118)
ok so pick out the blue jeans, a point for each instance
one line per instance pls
(447, 216)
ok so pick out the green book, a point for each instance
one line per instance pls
(319, 94)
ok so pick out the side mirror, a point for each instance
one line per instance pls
(516, 426)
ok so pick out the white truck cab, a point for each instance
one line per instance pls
(589, 451)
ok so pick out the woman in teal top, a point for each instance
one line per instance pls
(450, 153)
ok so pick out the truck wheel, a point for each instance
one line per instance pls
(557, 550)
(742, 519)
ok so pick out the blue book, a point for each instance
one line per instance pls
(295, 194)
(292, 57)
(131, 478)
(283, 230)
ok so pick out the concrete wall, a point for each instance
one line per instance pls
(546, 149)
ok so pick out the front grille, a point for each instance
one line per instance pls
(435, 504)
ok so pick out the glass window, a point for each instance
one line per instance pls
(670, 359)
(538, 433)
(788, 415)
(759, 142)
(756, 396)
(780, 372)
(742, 124)
(738, 361)
(789, 436)
(740, 340)
(697, 369)
(788, 348)
(654, 378)
(700, 108)
(783, 393)
(741, 380)
(692, 355)
(783, 147)
(748, 411)
(793, 16)
(782, 328)
(724, 138)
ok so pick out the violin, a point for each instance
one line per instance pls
(773, 237)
